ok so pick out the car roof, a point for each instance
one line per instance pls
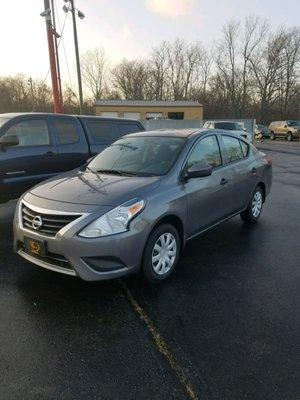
(20, 114)
(170, 132)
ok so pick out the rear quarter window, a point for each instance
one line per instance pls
(245, 148)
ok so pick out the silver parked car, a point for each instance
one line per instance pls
(135, 205)
(233, 127)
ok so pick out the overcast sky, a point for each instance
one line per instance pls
(125, 28)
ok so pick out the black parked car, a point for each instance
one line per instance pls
(37, 146)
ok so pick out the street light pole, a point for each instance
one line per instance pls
(77, 56)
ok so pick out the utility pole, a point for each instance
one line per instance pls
(55, 79)
(77, 56)
(56, 50)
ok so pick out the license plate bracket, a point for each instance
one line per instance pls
(35, 247)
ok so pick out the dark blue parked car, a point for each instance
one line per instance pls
(36, 146)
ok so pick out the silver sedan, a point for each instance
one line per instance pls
(135, 205)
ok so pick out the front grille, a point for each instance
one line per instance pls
(50, 223)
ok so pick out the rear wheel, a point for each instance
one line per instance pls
(161, 253)
(289, 137)
(272, 136)
(253, 211)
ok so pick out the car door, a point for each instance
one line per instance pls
(73, 149)
(280, 128)
(242, 171)
(208, 199)
(33, 159)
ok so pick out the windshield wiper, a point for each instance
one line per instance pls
(115, 172)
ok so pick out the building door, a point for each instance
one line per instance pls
(132, 115)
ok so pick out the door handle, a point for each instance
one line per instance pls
(50, 154)
(224, 181)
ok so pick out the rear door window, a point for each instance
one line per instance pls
(33, 132)
(103, 131)
(124, 129)
(233, 148)
(66, 131)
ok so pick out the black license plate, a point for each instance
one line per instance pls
(35, 247)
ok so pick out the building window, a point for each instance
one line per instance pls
(176, 115)
(154, 115)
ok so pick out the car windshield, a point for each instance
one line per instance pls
(228, 126)
(141, 156)
(294, 123)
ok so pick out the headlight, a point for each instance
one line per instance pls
(115, 221)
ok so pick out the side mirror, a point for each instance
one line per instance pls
(244, 129)
(9, 140)
(285, 126)
(199, 170)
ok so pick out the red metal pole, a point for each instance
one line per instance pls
(52, 58)
(55, 36)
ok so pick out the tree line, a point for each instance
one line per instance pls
(251, 71)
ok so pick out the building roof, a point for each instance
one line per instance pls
(147, 103)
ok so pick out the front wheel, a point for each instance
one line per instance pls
(289, 137)
(161, 253)
(254, 209)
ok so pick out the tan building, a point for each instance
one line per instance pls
(145, 110)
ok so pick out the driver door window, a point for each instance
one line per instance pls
(207, 152)
(30, 133)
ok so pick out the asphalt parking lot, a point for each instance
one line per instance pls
(225, 326)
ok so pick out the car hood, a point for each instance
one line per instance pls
(83, 187)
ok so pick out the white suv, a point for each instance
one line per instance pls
(234, 127)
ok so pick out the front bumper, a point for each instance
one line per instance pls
(90, 259)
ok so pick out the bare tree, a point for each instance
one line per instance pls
(94, 64)
(129, 78)
(255, 30)
(290, 73)
(227, 62)
(158, 72)
(266, 65)
(252, 71)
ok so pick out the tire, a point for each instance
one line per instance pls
(289, 137)
(272, 136)
(159, 270)
(254, 209)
